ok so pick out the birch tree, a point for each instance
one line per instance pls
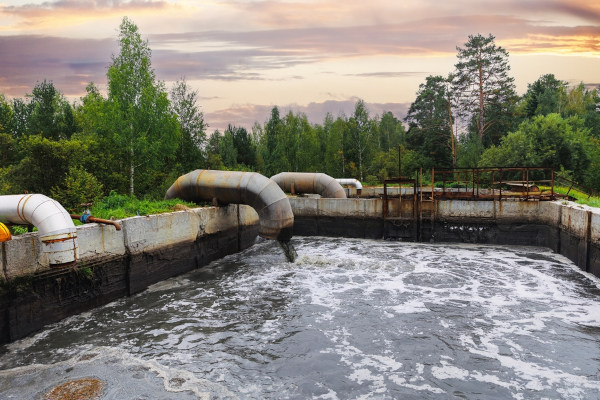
(148, 130)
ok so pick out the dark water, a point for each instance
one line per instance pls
(350, 319)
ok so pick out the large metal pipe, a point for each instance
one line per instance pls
(310, 182)
(56, 230)
(350, 182)
(276, 219)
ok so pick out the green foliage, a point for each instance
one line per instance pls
(335, 161)
(120, 206)
(273, 147)
(51, 115)
(6, 116)
(139, 139)
(78, 187)
(45, 163)
(6, 180)
(469, 152)
(485, 94)
(86, 272)
(544, 141)
(184, 104)
(430, 124)
(146, 131)
(357, 146)
(544, 96)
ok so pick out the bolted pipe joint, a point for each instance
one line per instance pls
(276, 219)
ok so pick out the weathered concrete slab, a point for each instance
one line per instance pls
(373, 208)
(97, 240)
(521, 211)
(595, 227)
(350, 208)
(550, 213)
(248, 215)
(23, 256)
(216, 219)
(465, 209)
(305, 207)
(574, 220)
(157, 231)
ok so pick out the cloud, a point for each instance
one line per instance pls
(70, 63)
(389, 74)
(249, 114)
(41, 10)
(556, 10)
(269, 40)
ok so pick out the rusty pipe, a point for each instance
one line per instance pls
(56, 230)
(310, 182)
(98, 220)
(276, 219)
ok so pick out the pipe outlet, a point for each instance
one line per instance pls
(276, 219)
(310, 182)
(56, 230)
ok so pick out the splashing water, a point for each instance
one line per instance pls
(288, 250)
(350, 319)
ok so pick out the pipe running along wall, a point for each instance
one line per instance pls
(276, 219)
(56, 230)
(310, 182)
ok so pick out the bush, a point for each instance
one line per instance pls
(78, 187)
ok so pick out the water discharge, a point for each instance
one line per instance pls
(288, 250)
(350, 319)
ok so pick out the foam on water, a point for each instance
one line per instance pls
(353, 319)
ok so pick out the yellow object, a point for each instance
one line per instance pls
(4, 233)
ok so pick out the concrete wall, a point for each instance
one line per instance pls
(22, 256)
(149, 249)
(114, 263)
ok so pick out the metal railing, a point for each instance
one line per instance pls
(524, 183)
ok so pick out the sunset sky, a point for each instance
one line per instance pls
(245, 56)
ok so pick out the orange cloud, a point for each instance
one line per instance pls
(49, 15)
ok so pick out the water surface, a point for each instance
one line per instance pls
(350, 319)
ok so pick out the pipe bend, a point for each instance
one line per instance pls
(350, 182)
(56, 230)
(310, 182)
(276, 219)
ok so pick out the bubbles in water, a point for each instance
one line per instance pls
(349, 319)
(288, 250)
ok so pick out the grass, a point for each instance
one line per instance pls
(116, 206)
(119, 206)
(580, 197)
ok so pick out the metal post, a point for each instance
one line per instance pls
(473, 184)
(527, 170)
(384, 208)
(500, 184)
(399, 162)
(432, 183)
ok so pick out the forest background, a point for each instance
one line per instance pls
(141, 136)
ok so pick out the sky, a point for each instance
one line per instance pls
(310, 56)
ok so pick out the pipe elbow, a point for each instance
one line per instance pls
(350, 182)
(276, 219)
(56, 230)
(310, 182)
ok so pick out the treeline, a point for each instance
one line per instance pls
(140, 137)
